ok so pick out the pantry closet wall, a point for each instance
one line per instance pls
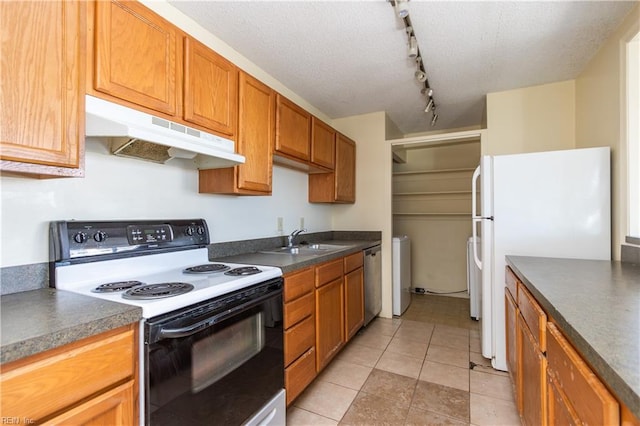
(432, 205)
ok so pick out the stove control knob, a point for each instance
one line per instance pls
(200, 230)
(100, 236)
(80, 237)
(189, 231)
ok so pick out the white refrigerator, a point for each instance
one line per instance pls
(547, 204)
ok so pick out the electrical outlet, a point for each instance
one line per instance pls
(302, 223)
(280, 225)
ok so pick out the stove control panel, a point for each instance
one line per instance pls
(149, 234)
(80, 239)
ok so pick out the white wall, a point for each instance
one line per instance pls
(601, 115)
(121, 188)
(531, 119)
(372, 209)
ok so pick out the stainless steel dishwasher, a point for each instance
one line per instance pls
(372, 283)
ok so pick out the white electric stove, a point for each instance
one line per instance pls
(211, 338)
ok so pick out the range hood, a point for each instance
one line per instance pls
(136, 134)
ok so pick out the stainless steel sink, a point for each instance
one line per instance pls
(307, 250)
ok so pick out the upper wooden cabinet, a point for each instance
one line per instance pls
(323, 142)
(135, 57)
(42, 98)
(340, 185)
(292, 129)
(256, 134)
(143, 61)
(210, 88)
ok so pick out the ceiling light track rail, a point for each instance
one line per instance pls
(402, 10)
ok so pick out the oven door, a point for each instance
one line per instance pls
(218, 362)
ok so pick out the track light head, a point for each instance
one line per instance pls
(434, 119)
(428, 92)
(402, 8)
(429, 105)
(421, 76)
(413, 47)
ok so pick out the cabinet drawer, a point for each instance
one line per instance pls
(533, 315)
(586, 393)
(70, 373)
(297, 310)
(299, 374)
(299, 339)
(328, 272)
(298, 284)
(353, 261)
(511, 282)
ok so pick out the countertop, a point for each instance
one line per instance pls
(37, 320)
(289, 263)
(596, 304)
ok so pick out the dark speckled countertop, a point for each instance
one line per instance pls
(289, 263)
(597, 306)
(37, 320)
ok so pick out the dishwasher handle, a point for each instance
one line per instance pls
(371, 251)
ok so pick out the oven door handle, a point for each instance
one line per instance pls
(174, 333)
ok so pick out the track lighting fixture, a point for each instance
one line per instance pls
(402, 8)
(413, 47)
(429, 105)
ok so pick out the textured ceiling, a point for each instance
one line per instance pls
(348, 58)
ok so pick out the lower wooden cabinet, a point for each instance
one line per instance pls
(552, 382)
(299, 374)
(583, 392)
(329, 322)
(353, 294)
(110, 408)
(513, 347)
(299, 332)
(92, 381)
(323, 309)
(533, 367)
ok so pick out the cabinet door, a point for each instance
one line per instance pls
(135, 55)
(589, 397)
(533, 369)
(329, 322)
(339, 186)
(210, 89)
(256, 134)
(345, 169)
(292, 129)
(353, 302)
(42, 98)
(323, 141)
(115, 407)
(511, 313)
(560, 411)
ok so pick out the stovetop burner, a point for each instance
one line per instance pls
(116, 286)
(244, 270)
(157, 291)
(207, 268)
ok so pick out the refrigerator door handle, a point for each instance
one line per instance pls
(475, 220)
(474, 188)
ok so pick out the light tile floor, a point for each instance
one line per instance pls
(424, 368)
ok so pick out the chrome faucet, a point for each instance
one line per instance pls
(293, 235)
